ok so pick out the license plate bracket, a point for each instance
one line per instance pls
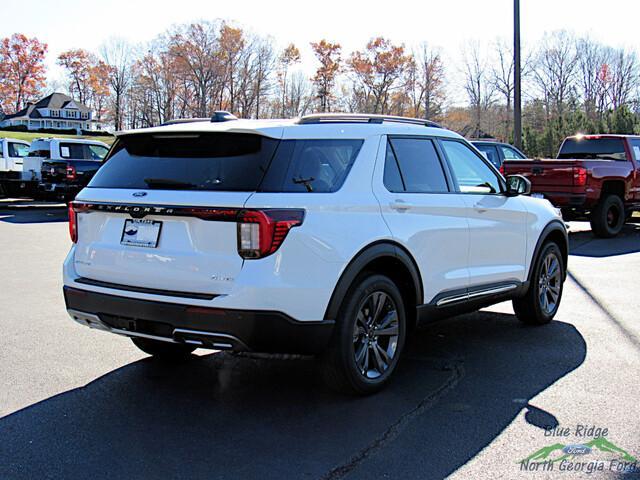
(141, 233)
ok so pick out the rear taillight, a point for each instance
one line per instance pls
(71, 172)
(74, 208)
(502, 169)
(579, 176)
(261, 232)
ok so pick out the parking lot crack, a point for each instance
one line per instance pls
(392, 432)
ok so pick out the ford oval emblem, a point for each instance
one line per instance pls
(140, 194)
(577, 449)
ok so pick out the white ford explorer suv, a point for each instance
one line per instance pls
(329, 235)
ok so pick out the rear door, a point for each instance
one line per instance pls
(423, 212)
(497, 223)
(163, 211)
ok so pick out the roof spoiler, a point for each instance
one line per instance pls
(218, 116)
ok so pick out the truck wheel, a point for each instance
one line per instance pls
(165, 351)
(541, 302)
(608, 217)
(367, 339)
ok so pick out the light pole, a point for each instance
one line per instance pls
(517, 100)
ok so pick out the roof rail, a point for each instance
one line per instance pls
(222, 116)
(177, 121)
(362, 118)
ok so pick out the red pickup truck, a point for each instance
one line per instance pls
(594, 176)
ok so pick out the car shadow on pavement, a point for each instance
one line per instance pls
(585, 244)
(461, 382)
(33, 215)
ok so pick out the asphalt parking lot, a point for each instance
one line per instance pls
(472, 397)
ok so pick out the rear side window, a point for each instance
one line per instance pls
(313, 166)
(417, 164)
(76, 151)
(195, 161)
(593, 148)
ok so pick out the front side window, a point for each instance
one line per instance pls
(491, 153)
(471, 172)
(511, 154)
(97, 152)
(418, 166)
(635, 145)
(18, 150)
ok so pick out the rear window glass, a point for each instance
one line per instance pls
(73, 150)
(314, 166)
(593, 148)
(198, 161)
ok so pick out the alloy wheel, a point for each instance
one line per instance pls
(375, 335)
(549, 283)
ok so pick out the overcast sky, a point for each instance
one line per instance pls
(65, 24)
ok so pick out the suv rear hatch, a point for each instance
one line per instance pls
(166, 211)
(161, 213)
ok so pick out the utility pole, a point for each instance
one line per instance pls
(517, 97)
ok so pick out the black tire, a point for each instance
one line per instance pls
(608, 218)
(530, 308)
(355, 333)
(165, 351)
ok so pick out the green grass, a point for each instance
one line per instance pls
(29, 136)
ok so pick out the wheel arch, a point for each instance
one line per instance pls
(554, 231)
(614, 186)
(387, 258)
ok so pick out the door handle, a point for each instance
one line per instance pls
(400, 205)
(536, 170)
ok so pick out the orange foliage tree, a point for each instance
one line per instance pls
(22, 71)
(329, 56)
(378, 69)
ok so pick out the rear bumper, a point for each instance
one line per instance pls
(240, 330)
(62, 190)
(566, 199)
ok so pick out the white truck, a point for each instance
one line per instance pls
(12, 154)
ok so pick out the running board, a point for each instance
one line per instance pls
(464, 297)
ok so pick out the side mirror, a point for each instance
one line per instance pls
(518, 185)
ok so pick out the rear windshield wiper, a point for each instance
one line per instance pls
(169, 183)
(304, 181)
